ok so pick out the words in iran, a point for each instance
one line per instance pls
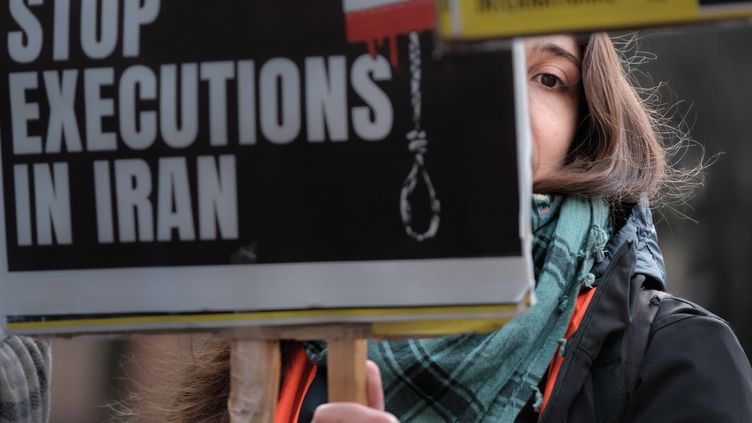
(62, 114)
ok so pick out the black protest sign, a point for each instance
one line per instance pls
(186, 132)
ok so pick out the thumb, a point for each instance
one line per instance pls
(373, 386)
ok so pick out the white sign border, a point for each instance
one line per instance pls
(244, 287)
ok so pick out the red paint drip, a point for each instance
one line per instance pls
(372, 26)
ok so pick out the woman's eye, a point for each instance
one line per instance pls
(549, 80)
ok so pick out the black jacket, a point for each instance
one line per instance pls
(638, 355)
(663, 359)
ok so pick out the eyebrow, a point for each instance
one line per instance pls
(558, 51)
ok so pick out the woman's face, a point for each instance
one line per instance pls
(553, 71)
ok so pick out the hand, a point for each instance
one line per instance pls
(341, 412)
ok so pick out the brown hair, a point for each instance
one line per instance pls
(618, 150)
(195, 386)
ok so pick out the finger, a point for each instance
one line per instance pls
(373, 386)
(346, 412)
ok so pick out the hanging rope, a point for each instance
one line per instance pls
(418, 145)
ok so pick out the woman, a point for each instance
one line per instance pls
(574, 357)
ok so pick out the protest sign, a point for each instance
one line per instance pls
(470, 20)
(193, 163)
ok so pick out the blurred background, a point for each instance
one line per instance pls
(709, 250)
(707, 242)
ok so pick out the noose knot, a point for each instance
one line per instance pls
(418, 142)
(418, 146)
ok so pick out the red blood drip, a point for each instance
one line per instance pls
(393, 53)
(374, 25)
(372, 47)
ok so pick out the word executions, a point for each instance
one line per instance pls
(88, 100)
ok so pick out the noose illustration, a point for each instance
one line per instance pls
(418, 145)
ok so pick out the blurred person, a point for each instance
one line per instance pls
(25, 365)
(602, 344)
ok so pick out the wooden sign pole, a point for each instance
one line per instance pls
(346, 371)
(255, 367)
(254, 380)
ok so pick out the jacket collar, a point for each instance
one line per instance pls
(640, 230)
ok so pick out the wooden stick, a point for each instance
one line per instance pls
(346, 370)
(254, 381)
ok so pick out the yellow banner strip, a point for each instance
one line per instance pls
(257, 318)
(482, 19)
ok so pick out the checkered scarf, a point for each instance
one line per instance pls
(24, 380)
(490, 377)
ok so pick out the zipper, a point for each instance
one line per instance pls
(577, 337)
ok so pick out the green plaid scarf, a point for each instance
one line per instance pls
(490, 377)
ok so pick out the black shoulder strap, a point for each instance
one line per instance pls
(643, 312)
(619, 361)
